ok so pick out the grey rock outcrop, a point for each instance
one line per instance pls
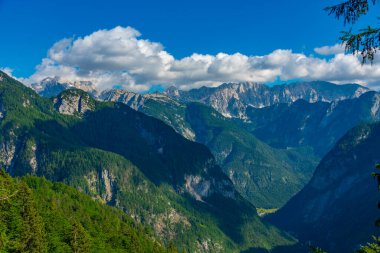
(74, 102)
(232, 99)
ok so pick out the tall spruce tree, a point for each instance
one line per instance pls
(33, 233)
(79, 239)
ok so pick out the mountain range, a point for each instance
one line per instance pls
(232, 99)
(251, 164)
(134, 162)
(191, 168)
(318, 125)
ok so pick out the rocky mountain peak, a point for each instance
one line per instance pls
(172, 91)
(132, 99)
(74, 102)
(233, 99)
(52, 86)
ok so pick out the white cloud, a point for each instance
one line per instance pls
(120, 57)
(330, 50)
(7, 71)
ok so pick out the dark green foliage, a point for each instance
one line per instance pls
(376, 175)
(52, 217)
(371, 247)
(32, 238)
(79, 239)
(252, 165)
(172, 248)
(266, 176)
(337, 209)
(21, 225)
(365, 41)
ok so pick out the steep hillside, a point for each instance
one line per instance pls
(338, 207)
(157, 105)
(40, 216)
(319, 125)
(266, 176)
(134, 162)
(232, 99)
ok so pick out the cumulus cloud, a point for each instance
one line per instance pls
(330, 50)
(7, 71)
(120, 56)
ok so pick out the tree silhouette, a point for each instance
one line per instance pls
(362, 41)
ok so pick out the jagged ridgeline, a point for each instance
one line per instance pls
(40, 216)
(132, 161)
(318, 125)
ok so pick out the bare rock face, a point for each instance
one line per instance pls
(133, 100)
(101, 184)
(33, 162)
(74, 102)
(232, 99)
(8, 151)
(197, 187)
(201, 188)
(108, 181)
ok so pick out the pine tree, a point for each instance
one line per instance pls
(79, 239)
(32, 237)
(373, 247)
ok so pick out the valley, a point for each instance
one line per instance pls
(189, 126)
(196, 178)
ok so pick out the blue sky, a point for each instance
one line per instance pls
(250, 27)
